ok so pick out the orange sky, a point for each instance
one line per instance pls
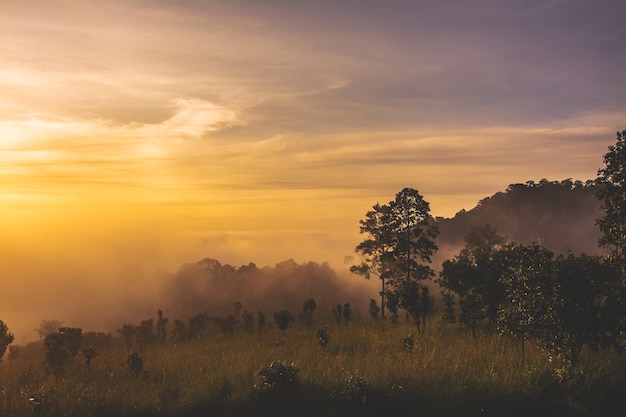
(136, 136)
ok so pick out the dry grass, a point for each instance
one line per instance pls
(446, 373)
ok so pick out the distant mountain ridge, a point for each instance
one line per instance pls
(560, 215)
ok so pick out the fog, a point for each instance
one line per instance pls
(101, 265)
(98, 270)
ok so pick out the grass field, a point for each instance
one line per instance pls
(365, 370)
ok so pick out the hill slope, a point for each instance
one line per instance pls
(560, 215)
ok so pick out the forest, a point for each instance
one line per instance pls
(517, 306)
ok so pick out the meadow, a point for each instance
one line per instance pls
(367, 368)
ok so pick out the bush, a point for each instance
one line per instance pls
(278, 382)
(323, 337)
(355, 392)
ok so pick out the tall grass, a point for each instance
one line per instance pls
(447, 372)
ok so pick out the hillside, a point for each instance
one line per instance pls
(561, 215)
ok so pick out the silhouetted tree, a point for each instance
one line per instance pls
(282, 319)
(612, 193)
(449, 303)
(180, 332)
(129, 333)
(474, 275)
(48, 326)
(227, 325)
(308, 307)
(373, 309)
(347, 312)
(588, 308)
(338, 312)
(61, 346)
(248, 320)
(89, 353)
(197, 325)
(145, 335)
(161, 327)
(260, 320)
(237, 306)
(6, 338)
(377, 249)
(530, 288)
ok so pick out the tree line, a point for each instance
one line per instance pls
(563, 303)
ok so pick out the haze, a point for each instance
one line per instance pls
(137, 136)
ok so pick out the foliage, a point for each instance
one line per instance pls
(373, 309)
(282, 319)
(61, 346)
(323, 337)
(135, 363)
(6, 338)
(377, 248)
(399, 245)
(474, 275)
(347, 312)
(613, 196)
(90, 354)
(161, 327)
(260, 320)
(588, 310)
(354, 394)
(529, 283)
(48, 326)
(308, 307)
(277, 382)
(448, 373)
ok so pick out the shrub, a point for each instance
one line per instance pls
(408, 342)
(277, 383)
(323, 337)
(135, 363)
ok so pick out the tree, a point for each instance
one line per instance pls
(308, 307)
(588, 306)
(6, 338)
(48, 326)
(61, 346)
(347, 313)
(161, 327)
(373, 309)
(282, 319)
(399, 243)
(260, 321)
(414, 244)
(377, 248)
(612, 179)
(474, 275)
(530, 288)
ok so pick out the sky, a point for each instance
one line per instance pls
(139, 135)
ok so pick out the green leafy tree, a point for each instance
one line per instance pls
(474, 275)
(6, 338)
(587, 309)
(531, 293)
(612, 193)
